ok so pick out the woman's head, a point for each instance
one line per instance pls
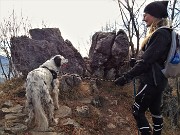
(158, 9)
(155, 12)
(155, 16)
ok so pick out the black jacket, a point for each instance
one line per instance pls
(148, 68)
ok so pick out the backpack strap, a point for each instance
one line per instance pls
(177, 40)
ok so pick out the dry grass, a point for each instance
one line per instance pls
(11, 90)
(14, 90)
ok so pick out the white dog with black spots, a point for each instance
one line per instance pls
(42, 93)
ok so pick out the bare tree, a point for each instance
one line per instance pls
(130, 14)
(174, 10)
(109, 27)
(11, 27)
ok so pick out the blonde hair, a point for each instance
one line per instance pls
(155, 25)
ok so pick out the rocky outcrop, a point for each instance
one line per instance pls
(28, 53)
(108, 53)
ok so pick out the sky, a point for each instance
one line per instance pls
(76, 19)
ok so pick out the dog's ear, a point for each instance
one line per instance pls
(57, 61)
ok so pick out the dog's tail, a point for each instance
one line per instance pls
(35, 108)
(40, 117)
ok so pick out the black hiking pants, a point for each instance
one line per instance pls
(148, 97)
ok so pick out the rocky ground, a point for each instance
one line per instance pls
(108, 113)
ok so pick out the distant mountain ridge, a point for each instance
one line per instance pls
(3, 59)
(5, 64)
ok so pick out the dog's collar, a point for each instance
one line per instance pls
(54, 74)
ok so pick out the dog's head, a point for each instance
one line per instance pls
(55, 63)
(60, 60)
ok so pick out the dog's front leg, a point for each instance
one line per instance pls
(55, 96)
(50, 109)
(52, 120)
(55, 93)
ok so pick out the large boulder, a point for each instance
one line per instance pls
(28, 53)
(109, 54)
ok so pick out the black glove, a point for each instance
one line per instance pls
(132, 62)
(121, 81)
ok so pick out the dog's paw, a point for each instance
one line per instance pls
(28, 122)
(54, 122)
(56, 107)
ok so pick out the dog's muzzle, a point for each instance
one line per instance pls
(64, 63)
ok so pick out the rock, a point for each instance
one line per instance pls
(69, 121)
(69, 81)
(13, 116)
(2, 132)
(16, 109)
(80, 131)
(63, 111)
(83, 111)
(43, 44)
(16, 127)
(108, 53)
(43, 133)
(97, 101)
(86, 100)
(69, 86)
(111, 126)
(120, 121)
(7, 104)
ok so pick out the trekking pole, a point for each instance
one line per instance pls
(132, 63)
(178, 94)
(134, 85)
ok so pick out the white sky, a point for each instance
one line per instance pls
(76, 19)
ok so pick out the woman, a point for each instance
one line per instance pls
(152, 81)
